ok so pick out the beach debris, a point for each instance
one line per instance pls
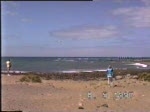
(119, 77)
(105, 105)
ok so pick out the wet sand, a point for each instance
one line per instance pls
(69, 95)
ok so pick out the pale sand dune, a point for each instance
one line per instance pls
(65, 95)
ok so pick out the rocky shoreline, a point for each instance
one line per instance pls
(119, 74)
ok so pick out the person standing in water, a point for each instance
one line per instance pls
(8, 65)
(110, 75)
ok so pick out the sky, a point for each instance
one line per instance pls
(96, 28)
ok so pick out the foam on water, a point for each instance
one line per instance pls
(79, 71)
(69, 71)
(139, 64)
(100, 70)
(14, 71)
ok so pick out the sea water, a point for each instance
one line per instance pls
(69, 64)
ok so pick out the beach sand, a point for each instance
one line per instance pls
(68, 95)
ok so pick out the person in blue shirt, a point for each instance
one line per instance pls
(110, 75)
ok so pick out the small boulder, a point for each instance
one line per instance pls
(105, 105)
(134, 77)
(128, 76)
(80, 105)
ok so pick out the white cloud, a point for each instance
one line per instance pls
(9, 8)
(136, 16)
(12, 4)
(87, 33)
(11, 13)
(146, 2)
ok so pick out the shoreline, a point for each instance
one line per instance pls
(73, 71)
(82, 75)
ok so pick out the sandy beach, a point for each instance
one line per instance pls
(69, 95)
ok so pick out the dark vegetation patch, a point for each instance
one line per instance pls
(85, 76)
(31, 78)
(145, 76)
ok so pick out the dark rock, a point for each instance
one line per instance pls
(105, 105)
(115, 85)
(80, 107)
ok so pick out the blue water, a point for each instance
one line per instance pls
(58, 64)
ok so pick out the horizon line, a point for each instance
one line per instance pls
(86, 56)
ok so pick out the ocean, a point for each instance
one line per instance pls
(71, 64)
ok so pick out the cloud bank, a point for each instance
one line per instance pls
(138, 17)
(146, 2)
(87, 33)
